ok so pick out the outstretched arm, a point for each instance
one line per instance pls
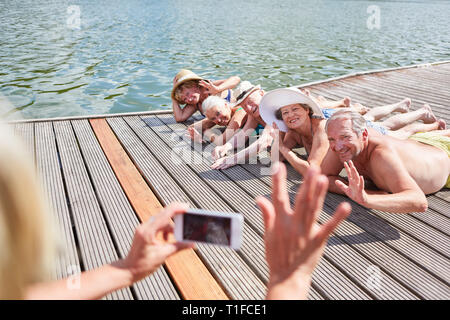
(217, 86)
(195, 130)
(148, 251)
(259, 145)
(319, 149)
(294, 241)
(182, 114)
(237, 141)
(285, 146)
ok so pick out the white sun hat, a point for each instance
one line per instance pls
(273, 100)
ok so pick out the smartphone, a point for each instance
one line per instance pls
(218, 228)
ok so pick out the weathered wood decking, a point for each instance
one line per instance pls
(101, 174)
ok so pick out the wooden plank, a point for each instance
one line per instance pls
(92, 116)
(369, 233)
(335, 94)
(96, 244)
(394, 90)
(427, 80)
(367, 93)
(440, 202)
(393, 262)
(49, 171)
(226, 265)
(444, 194)
(230, 192)
(439, 94)
(118, 213)
(444, 68)
(192, 278)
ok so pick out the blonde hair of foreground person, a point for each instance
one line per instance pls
(27, 234)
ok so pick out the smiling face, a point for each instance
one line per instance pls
(251, 103)
(344, 141)
(220, 115)
(294, 116)
(189, 95)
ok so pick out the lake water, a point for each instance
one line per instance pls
(67, 58)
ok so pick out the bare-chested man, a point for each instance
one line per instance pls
(404, 170)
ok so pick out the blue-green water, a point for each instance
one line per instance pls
(125, 54)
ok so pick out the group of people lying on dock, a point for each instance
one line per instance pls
(404, 159)
(368, 142)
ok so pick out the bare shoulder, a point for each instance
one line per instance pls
(380, 149)
(384, 156)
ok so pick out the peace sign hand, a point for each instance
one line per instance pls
(355, 188)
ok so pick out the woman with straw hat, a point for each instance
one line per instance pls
(191, 90)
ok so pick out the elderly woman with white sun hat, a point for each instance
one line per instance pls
(296, 114)
(302, 119)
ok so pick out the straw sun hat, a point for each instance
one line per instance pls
(273, 100)
(183, 76)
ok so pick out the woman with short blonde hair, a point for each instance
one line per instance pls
(27, 233)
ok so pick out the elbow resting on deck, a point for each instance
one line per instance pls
(180, 118)
(422, 205)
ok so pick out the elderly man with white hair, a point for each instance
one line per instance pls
(220, 112)
(404, 171)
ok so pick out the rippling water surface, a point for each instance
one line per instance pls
(124, 54)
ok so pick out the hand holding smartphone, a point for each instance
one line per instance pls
(218, 228)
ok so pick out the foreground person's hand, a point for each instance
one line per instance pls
(294, 240)
(149, 251)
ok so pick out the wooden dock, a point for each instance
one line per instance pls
(106, 174)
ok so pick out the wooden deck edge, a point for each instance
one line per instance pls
(192, 278)
(361, 73)
(95, 116)
(155, 112)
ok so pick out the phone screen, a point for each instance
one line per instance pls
(201, 228)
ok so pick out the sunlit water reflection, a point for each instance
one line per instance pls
(125, 53)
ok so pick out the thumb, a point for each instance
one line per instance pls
(169, 249)
(268, 213)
